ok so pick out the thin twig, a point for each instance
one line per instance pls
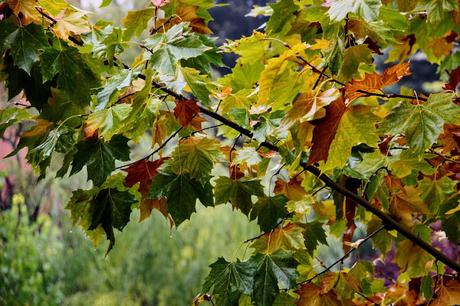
(341, 259)
(155, 151)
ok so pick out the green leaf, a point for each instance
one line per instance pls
(352, 58)
(367, 9)
(136, 22)
(181, 192)
(314, 234)
(25, 44)
(282, 17)
(237, 192)
(194, 156)
(12, 115)
(74, 76)
(199, 84)
(422, 123)
(356, 126)
(99, 157)
(274, 272)
(435, 192)
(268, 210)
(102, 209)
(105, 3)
(228, 280)
(111, 90)
(169, 48)
(110, 121)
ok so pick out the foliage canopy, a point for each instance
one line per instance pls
(304, 136)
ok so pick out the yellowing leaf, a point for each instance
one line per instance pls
(25, 10)
(312, 295)
(70, 23)
(292, 189)
(40, 129)
(269, 79)
(289, 237)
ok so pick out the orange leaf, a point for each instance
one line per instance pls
(448, 294)
(324, 132)
(376, 82)
(311, 295)
(292, 189)
(185, 110)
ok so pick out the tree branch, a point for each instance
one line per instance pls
(387, 220)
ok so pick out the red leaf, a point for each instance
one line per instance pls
(454, 79)
(142, 172)
(185, 111)
(324, 132)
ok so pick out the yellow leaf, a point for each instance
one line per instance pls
(70, 23)
(25, 10)
(275, 67)
(289, 237)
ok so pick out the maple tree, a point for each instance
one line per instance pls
(302, 136)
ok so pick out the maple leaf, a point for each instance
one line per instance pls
(376, 82)
(289, 237)
(189, 14)
(185, 111)
(325, 131)
(312, 295)
(70, 23)
(273, 272)
(142, 172)
(228, 280)
(268, 210)
(237, 192)
(25, 10)
(454, 79)
(447, 294)
(293, 189)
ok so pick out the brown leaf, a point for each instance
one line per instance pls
(454, 79)
(311, 295)
(376, 82)
(450, 138)
(324, 132)
(185, 111)
(448, 294)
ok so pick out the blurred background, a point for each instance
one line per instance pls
(45, 260)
